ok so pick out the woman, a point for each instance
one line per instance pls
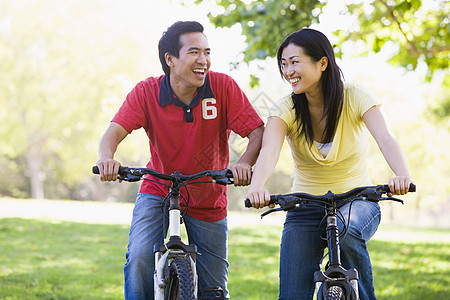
(324, 121)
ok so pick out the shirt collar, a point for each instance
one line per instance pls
(166, 96)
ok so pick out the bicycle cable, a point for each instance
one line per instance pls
(184, 184)
(186, 201)
(159, 182)
(343, 233)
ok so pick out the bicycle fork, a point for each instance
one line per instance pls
(164, 253)
(335, 274)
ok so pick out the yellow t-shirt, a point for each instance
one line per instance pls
(345, 166)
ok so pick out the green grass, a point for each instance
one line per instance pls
(48, 260)
(412, 270)
(43, 259)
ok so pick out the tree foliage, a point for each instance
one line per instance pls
(419, 32)
(55, 71)
(265, 23)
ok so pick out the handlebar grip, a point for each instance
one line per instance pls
(273, 199)
(95, 170)
(412, 188)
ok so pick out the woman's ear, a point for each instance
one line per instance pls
(323, 63)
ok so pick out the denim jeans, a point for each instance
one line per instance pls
(302, 248)
(147, 230)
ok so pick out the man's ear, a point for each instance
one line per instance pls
(323, 63)
(169, 59)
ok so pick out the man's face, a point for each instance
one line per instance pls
(193, 63)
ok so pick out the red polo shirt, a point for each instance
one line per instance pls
(190, 138)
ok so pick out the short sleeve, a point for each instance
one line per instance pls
(284, 109)
(242, 117)
(363, 99)
(131, 115)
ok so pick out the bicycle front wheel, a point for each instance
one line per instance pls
(334, 293)
(181, 285)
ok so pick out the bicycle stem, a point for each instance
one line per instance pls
(174, 212)
(333, 239)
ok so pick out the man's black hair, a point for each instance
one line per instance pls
(170, 40)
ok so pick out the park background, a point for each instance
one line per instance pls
(66, 67)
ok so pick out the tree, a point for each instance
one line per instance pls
(59, 60)
(418, 30)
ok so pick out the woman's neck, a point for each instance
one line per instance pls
(315, 98)
(315, 108)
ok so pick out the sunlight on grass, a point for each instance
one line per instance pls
(47, 259)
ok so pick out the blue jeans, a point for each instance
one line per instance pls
(302, 248)
(147, 230)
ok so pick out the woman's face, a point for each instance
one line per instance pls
(300, 71)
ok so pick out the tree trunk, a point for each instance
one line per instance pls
(34, 164)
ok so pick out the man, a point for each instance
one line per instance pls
(187, 114)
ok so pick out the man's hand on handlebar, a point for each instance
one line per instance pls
(109, 169)
(242, 174)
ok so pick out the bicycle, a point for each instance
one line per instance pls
(175, 274)
(335, 282)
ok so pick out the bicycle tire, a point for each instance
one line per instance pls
(181, 283)
(334, 293)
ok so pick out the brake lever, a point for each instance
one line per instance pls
(372, 194)
(225, 177)
(393, 199)
(270, 211)
(289, 203)
(130, 178)
(223, 181)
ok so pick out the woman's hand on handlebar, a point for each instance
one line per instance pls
(399, 185)
(259, 199)
(109, 169)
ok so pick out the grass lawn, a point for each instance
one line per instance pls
(47, 259)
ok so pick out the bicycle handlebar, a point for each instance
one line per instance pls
(222, 177)
(370, 193)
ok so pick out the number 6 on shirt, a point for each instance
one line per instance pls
(209, 111)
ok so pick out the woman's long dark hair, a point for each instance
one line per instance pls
(316, 45)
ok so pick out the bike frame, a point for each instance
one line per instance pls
(174, 247)
(335, 274)
(164, 253)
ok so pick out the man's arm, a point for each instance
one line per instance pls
(242, 170)
(112, 137)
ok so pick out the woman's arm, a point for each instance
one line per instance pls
(379, 127)
(273, 139)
